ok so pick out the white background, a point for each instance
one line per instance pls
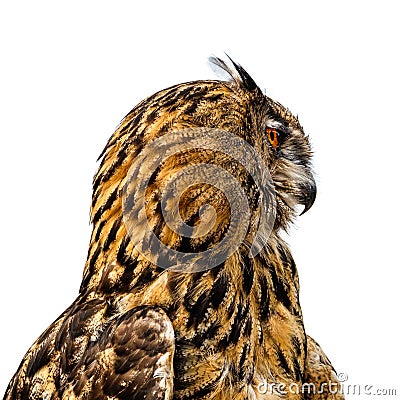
(71, 70)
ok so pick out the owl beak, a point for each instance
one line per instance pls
(310, 194)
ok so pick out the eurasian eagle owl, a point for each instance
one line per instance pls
(189, 291)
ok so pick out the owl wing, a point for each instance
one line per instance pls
(321, 381)
(131, 357)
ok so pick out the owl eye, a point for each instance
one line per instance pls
(273, 137)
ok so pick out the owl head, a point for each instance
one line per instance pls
(160, 171)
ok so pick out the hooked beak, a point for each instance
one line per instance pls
(310, 192)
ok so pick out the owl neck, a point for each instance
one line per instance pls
(115, 267)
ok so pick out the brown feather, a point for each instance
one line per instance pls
(138, 330)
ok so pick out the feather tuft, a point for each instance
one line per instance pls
(236, 74)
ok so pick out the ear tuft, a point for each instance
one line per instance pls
(237, 74)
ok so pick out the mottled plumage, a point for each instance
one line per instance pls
(139, 331)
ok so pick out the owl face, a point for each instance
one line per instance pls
(289, 159)
(277, 134)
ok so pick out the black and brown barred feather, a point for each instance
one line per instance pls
(139, 331)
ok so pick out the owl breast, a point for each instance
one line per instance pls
(234, 333)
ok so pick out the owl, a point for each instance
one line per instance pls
(189, 290)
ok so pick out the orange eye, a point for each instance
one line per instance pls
(273, 137)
